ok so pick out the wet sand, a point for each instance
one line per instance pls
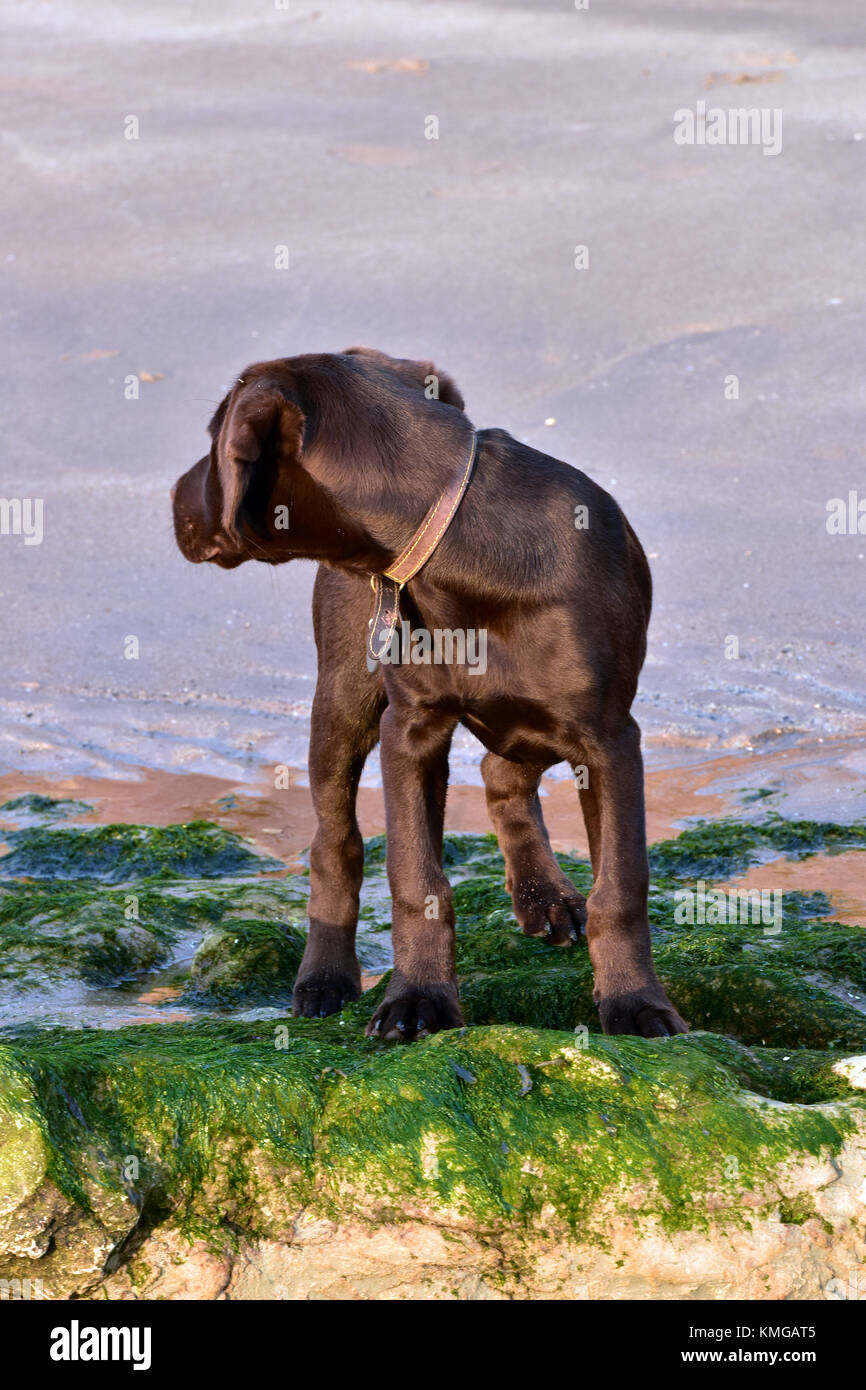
(841, 876)
(823, 779)
(116, 266)
(283, 822)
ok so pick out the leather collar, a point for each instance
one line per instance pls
(387, 585)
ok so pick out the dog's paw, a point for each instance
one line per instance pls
(646, 1013)
(323, 992)
(549, 907)
(414, 1011)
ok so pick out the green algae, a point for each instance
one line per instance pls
(750, 1001)
(751, 794)
(170, 1120)
(527, 1111)
(756, 1006)
(480, 853)
(457, 1118)
(51, 931)
(794, 1075)
(553, 998)
(345, 1128)
(733, 978)
(246, 961)
(44, 807)
(761, 1006)
(579, 871)
(122, 853)
(837, 950)
(736, 978)
(718, 849)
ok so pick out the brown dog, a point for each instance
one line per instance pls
(338, 458)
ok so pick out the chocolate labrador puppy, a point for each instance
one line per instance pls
(355, 459)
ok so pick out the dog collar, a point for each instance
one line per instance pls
(387, 586)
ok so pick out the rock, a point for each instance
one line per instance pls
(50, 933)
(524, 1156)
(171, 1267)
(56, 932)
(34, 809)
(854, 1071)
(120, 853)
(23, 1161)
(631, 1168)
(58, 1241)
(246, 962)
(716, 849)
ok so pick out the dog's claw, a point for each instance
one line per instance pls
(549, 907)
(415, 1011)
(640, 1015)
(322, 993)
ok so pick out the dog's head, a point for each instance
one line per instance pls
(255, 495)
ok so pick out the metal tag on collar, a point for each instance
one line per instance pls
(386, 614)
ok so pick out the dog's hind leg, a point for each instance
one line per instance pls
(347, 707)
(546, 903)
(592, 821)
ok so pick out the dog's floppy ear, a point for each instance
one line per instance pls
(436, 385)
(260, 418)
(441, 386)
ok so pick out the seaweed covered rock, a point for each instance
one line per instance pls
(35, 809)
(65, 922)
(716, 849)
(120, 853)
(50, 932)
(524, 1156)
(753, 1001)
(303, 1160)
(51, 1245)
(246, 962)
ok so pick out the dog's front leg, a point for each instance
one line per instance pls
(345, 725)
(628, 992)
(330, 976)
(422, 993)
